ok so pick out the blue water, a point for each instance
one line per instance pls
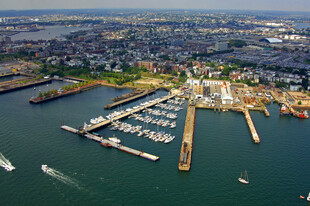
(278, 167)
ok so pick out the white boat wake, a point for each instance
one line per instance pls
(60, 176)
(6, 164)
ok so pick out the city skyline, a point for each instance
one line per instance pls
(276, 5)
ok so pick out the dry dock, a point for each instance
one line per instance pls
(253, 131)
(113, 144)
(187, 142)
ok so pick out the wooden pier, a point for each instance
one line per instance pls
(127, 100)
(187, 142)
(107, 122)
(113, 144)
(250, 123)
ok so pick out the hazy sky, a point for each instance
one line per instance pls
(286, 5)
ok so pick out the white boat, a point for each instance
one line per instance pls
(244, 180)
(45, 168)
(9, 168)
(173, 126)
(308, 198)
(114, 139)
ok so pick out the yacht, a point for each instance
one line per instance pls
(115, 140)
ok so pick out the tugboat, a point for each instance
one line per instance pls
(285, 110)
(303, 115)
(107, 145)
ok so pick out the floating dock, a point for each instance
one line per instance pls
(253, 131)
(113, 144)
(107, 122)
(127, 100)
(187, 142)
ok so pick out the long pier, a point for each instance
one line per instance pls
(7, 74)
(187, 142)
(41, 100)
(250, 123)
(12, 87)
(113, 144)
(115, 104)
(107, 122)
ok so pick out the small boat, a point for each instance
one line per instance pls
(308, 198)
(9, 168)
(301, 197)
(115, 140)
(303, 115)
(106, 144)
(244, 180)
(45, 168)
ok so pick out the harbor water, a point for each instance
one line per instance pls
(85, 173)
(46, 34)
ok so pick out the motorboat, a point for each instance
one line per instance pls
(9, 168)
(115, 140)
(45, 168)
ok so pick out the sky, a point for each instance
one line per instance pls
(282, 5)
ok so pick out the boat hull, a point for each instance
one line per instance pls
(243, 181)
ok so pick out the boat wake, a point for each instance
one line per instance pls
(62, 177)
(6, 164)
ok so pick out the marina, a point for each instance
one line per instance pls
(222, 150)
(128, 113)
